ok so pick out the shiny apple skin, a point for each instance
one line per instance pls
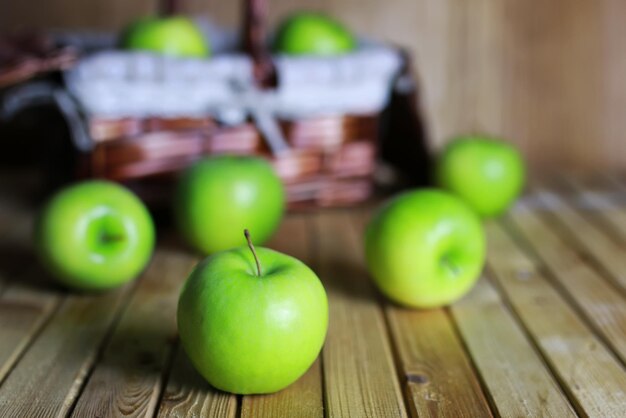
(95, 235)
(425, 248)
(250, 334)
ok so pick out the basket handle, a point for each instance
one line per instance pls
(169, 7)
(253, 36)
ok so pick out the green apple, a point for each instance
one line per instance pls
(313, 34)
(218, 197)
(174, 36)
(94, 235)
(487, 173)
(425, 248)
(252, 322)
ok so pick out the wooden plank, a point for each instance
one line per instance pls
(22, 314)
(590, 375)
(602, 199)
(359, 373)
(27, 299)
(438, 376)
(47, 379)
(519, 383)
(188, 395)
(581, 234)
(127, 381)
(304, 398)
(615, 214)
(604, 307)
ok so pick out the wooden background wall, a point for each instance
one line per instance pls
(549, 75)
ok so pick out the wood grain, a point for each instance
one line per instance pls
(592, 377)
(56, 364)
(128, 378)
(436, 369)
(601, 303)
(26, 298)
(518, 381)
(304, 398)
(542, 334)
(601, 197)
(587, 238)
(615, 215)
(188, 395)
(359, 374)
(22, 314)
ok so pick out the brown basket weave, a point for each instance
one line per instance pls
(330, 160)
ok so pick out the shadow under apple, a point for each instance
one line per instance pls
(19, 265)
(349, 279)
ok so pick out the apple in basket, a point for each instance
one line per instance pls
(252, 321)
(425, 248)
(174, 35)
(309, 33)
(487, 173)
(94, 235)
(218, 197)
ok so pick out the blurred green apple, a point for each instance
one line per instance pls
(309, 33)
(218, 197)
(95, 235)
(252, 329)
(487, 173)
(174, 36)
(425, 248)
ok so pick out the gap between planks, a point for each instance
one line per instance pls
(588, 372)
(360, 378)
(23, 314)
(138, 353)
(599, 302)
(517, 379)
(566, 217)
(57, 362)
(325, 256)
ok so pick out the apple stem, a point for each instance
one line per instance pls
(112, 238)
(246, 233)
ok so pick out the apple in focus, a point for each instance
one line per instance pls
(425, 248)
(487, 173)
(309, 33)
(219, 197)
(94, 235)
(176, 36)
(252, 328)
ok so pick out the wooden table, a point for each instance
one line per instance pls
(542, 334)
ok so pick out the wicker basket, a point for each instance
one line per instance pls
(126, 129)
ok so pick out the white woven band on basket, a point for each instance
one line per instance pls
(117, 84)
